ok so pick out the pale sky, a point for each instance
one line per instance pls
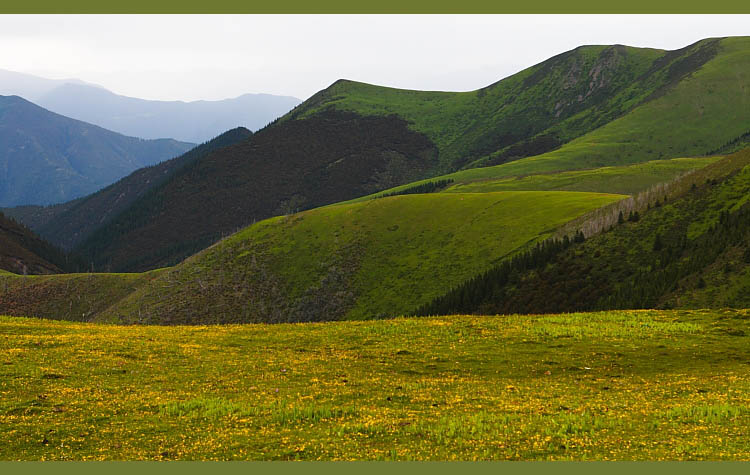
(190, 57)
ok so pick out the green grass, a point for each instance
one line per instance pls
(620, 180)
(545, 97)
(627, 179)
(622, 385)
(647, 118)
(706, 110)
(690, 251)
(353, 261)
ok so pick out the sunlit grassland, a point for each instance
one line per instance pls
(613, 385)
(621, 180)
(415, 246)
(625, 179)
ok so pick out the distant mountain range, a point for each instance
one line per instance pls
(47, 158)
(196, 121)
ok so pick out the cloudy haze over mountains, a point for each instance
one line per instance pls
(196, 121)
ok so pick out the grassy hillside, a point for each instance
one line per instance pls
(700, 113)
(351, 261)
(584, 82)
(698, 92)
(625, 179)
(625, 385)
(571, 96)
(630, 179)
(688, 252)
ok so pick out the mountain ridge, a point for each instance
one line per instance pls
(584, 109)
(48, 158)
(190, 121)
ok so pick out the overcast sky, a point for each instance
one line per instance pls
(191, 57)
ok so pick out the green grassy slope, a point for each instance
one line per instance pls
(620, 180)
(625, 179)
(572, 96)
(705, 112)
(352, 261)
(689, 252)
(625, 385)
(700, 92)
(583, 83)
(701, 112)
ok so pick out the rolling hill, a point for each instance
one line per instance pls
(46, 158)
(396, 255)
(685, 251)
(572, 96)
(195, 121)
(282, 168)
(351, 261)
(592, 107)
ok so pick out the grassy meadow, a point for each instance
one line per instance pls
(624, 179)
(613, 385)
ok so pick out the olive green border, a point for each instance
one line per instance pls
(375, 6)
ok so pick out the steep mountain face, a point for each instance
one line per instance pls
(196, 121)
(283, 168)
(21, 252)
(47, 158)
(68, 224)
